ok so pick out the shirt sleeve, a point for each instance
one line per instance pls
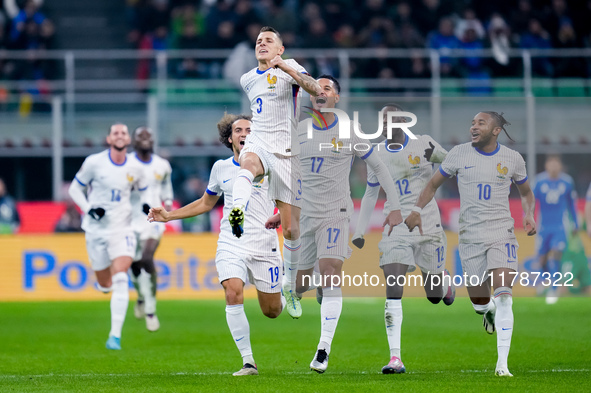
(520, 175)
(439, 153)
(372, 179)
(450, 165)
(213, 187)
(296, 66)
(357, 141)
(166, 194)
(86, 173)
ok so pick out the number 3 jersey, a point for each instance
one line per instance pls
(109, 186)
(411, 172)
(484, 182)
(256, 239)
(275, 104)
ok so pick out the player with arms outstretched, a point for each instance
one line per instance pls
(410, 162)
(488, 247)
(327, 207)
(102, 190)
(256, 254)
(272, 149)
(157, 172)
(556, 196)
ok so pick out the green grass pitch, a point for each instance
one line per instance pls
(56, 347)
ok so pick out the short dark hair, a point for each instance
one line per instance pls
(499, 121)
(225, 127)
(272, 30)
(141, 128)
(333, 79)
(116, 124)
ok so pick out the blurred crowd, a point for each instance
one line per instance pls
(438, 24)
(23, 26)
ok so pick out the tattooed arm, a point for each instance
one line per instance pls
(305, 81)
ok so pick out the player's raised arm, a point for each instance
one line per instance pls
(305, 81)
(414, 218)
(528, 203)
(166, 193)
(193, 209)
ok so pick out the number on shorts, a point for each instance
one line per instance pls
(440, 254)
(320, 160)
(260, 102)
(484, 191)
(274, 271)
(511, 250)
(331, 231)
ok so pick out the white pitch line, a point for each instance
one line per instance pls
(6, 376)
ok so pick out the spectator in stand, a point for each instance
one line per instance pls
(276, 13)
(556, 16)
(499, 36)
(317, 35)
(538, 38)
(473, 66)
(187, 27)
(469, 21)
(221, 12)
(151, 28)
(371, 9)
(336, 14)
(521, 17)
(30, 29)
(567, 38)
(345, 37)
(445, 40)
(9, 218)
(429, 14)
(379, 33)
(245, 15)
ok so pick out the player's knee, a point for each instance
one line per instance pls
(233, 296)
(272, 312)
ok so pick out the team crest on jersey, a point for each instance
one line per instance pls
(130, 178)
(158, 176)
(502, 171)
(336, 145)
(272, 81)
(258, 184)
(414, 161)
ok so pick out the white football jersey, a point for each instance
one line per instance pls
(275, 104)
(326, 163)
(109, 187)
(157, 174)
(484, 182)
(411, 172)
(256, 239)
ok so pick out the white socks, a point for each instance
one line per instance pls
(393, 318)
(503, 323)
(240, 331)
(119, 302)
(483, 308)
(330, 311)
(242, 187)
(291, 256)
(145, 285)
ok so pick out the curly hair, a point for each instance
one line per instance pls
(225, 127)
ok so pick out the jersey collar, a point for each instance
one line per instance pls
(142, 161)
(403, 145)
(492, 153)
(262, 72)
(336, 119)
(235, 162)
(113, 162)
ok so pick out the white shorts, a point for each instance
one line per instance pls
(427, 252)
(480, 258)
(285, 177)
(323, 238)
(103, 249)
(153, 230)
(265, 272)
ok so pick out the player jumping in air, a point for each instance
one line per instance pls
(488, 247)
(327, 207)
(157, 173)
(102, 190)
(256, 254)
(410, 162)
(556, 195)
(272, 149)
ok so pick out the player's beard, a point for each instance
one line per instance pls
(484, 140)
(119, 148)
